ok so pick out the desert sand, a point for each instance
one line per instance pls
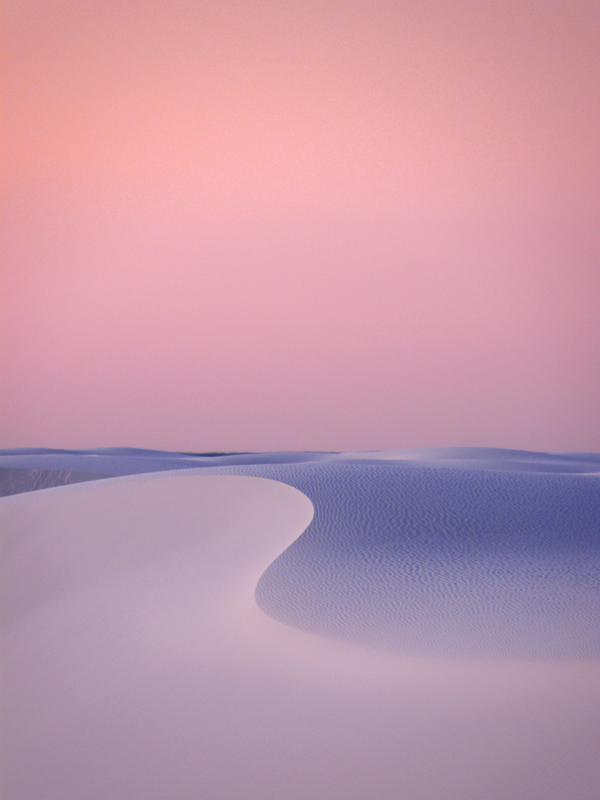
(430, 632)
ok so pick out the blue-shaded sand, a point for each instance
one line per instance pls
(470, 552)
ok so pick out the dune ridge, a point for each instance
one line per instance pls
(137, 665)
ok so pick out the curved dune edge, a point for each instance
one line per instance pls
(63, 544)
(136, 664)
(123, 586)
(445, 563)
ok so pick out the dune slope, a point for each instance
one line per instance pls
(137, 665)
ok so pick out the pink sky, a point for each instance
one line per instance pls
(296, 225)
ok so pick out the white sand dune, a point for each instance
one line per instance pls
(443, 560)
(136, 664)
(29, 469)
(128, 631)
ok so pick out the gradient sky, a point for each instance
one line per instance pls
(301, 225)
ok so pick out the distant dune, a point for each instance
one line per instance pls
(191, 633)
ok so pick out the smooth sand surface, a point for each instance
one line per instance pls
(136, 663)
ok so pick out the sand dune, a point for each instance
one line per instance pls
(440, 636)
(123, 601)
(29, 469)
(444, 561)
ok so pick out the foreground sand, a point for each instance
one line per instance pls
(137, 665)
